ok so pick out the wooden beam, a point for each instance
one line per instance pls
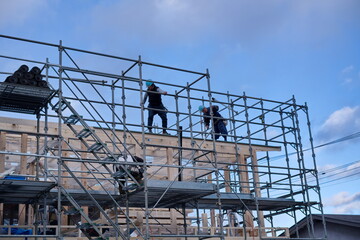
(171, 172)
(227, 179)
(205, 222)
(64, 183)
(245, 188)
(23, 163)
(255, 172)
(22, 214)
(83, 167)
(2, 168)
(84, 181)
(2, 148)
(24, 149)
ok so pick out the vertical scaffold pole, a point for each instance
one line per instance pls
(315, 169)
(143, 145)
(288, 167)
(113, 125)
(60, 144)
(123, 99)
(230, 114)
(217, 172)
(269, 184)
(191, 127)
(256, 186)
(46, 128)
(302, 161)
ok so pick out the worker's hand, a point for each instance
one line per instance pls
(206, 127)
(165, 93)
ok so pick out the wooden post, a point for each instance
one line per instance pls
(23, 146)
(64, 217)
(245, 188)
(84, 181)
(227, 179)
(82, 166)
(30, 215)
(257, 188)
(171, 174)
(31, 209)
(205, 223)
(2, 148)
(2, 168)
(212, 211)
(23, 162)
(139, 221)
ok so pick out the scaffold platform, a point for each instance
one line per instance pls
(23, 98)
(23, 191)
(161, 194)
(243, 201)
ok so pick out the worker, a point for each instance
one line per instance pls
(219, 121)
(155, 105)
(136, 172)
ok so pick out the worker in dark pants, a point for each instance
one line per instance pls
(219, 122)
(155, 105)
(136, 172)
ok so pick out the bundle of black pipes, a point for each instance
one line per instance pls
(25, 77)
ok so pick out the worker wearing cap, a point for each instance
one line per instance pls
(219, 122)
(155, 105)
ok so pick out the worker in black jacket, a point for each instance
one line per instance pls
(155, 105)
(219, 121)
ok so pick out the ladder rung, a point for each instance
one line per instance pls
(84, 133)
(85, 226)
(95, 147)
(73, 119)
(131, 187)
(62, 104)
(72, 211)
(110, 159)
(119, 174)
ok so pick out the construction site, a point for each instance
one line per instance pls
(71, 131)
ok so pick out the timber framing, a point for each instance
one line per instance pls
(65, 162)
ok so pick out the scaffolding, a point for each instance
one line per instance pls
(74, 174)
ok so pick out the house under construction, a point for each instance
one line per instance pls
(68, 143)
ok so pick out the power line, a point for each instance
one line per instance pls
(340, 182)
(349, 137)
(340, 170)
(337, 179)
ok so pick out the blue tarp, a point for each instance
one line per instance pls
(15, 177)
(17, 231)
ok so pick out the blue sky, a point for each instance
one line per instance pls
(272, 49)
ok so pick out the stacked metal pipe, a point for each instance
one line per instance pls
(25, 77)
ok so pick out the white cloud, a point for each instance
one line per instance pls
(187, 22)
(340, 123)
(350, 208)
(18, 12)
(326, 167)
(348, 69)
(343, 203)
(342, 198)
(349, 74)
(330, 173)
(272, 133)
(348, 80)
